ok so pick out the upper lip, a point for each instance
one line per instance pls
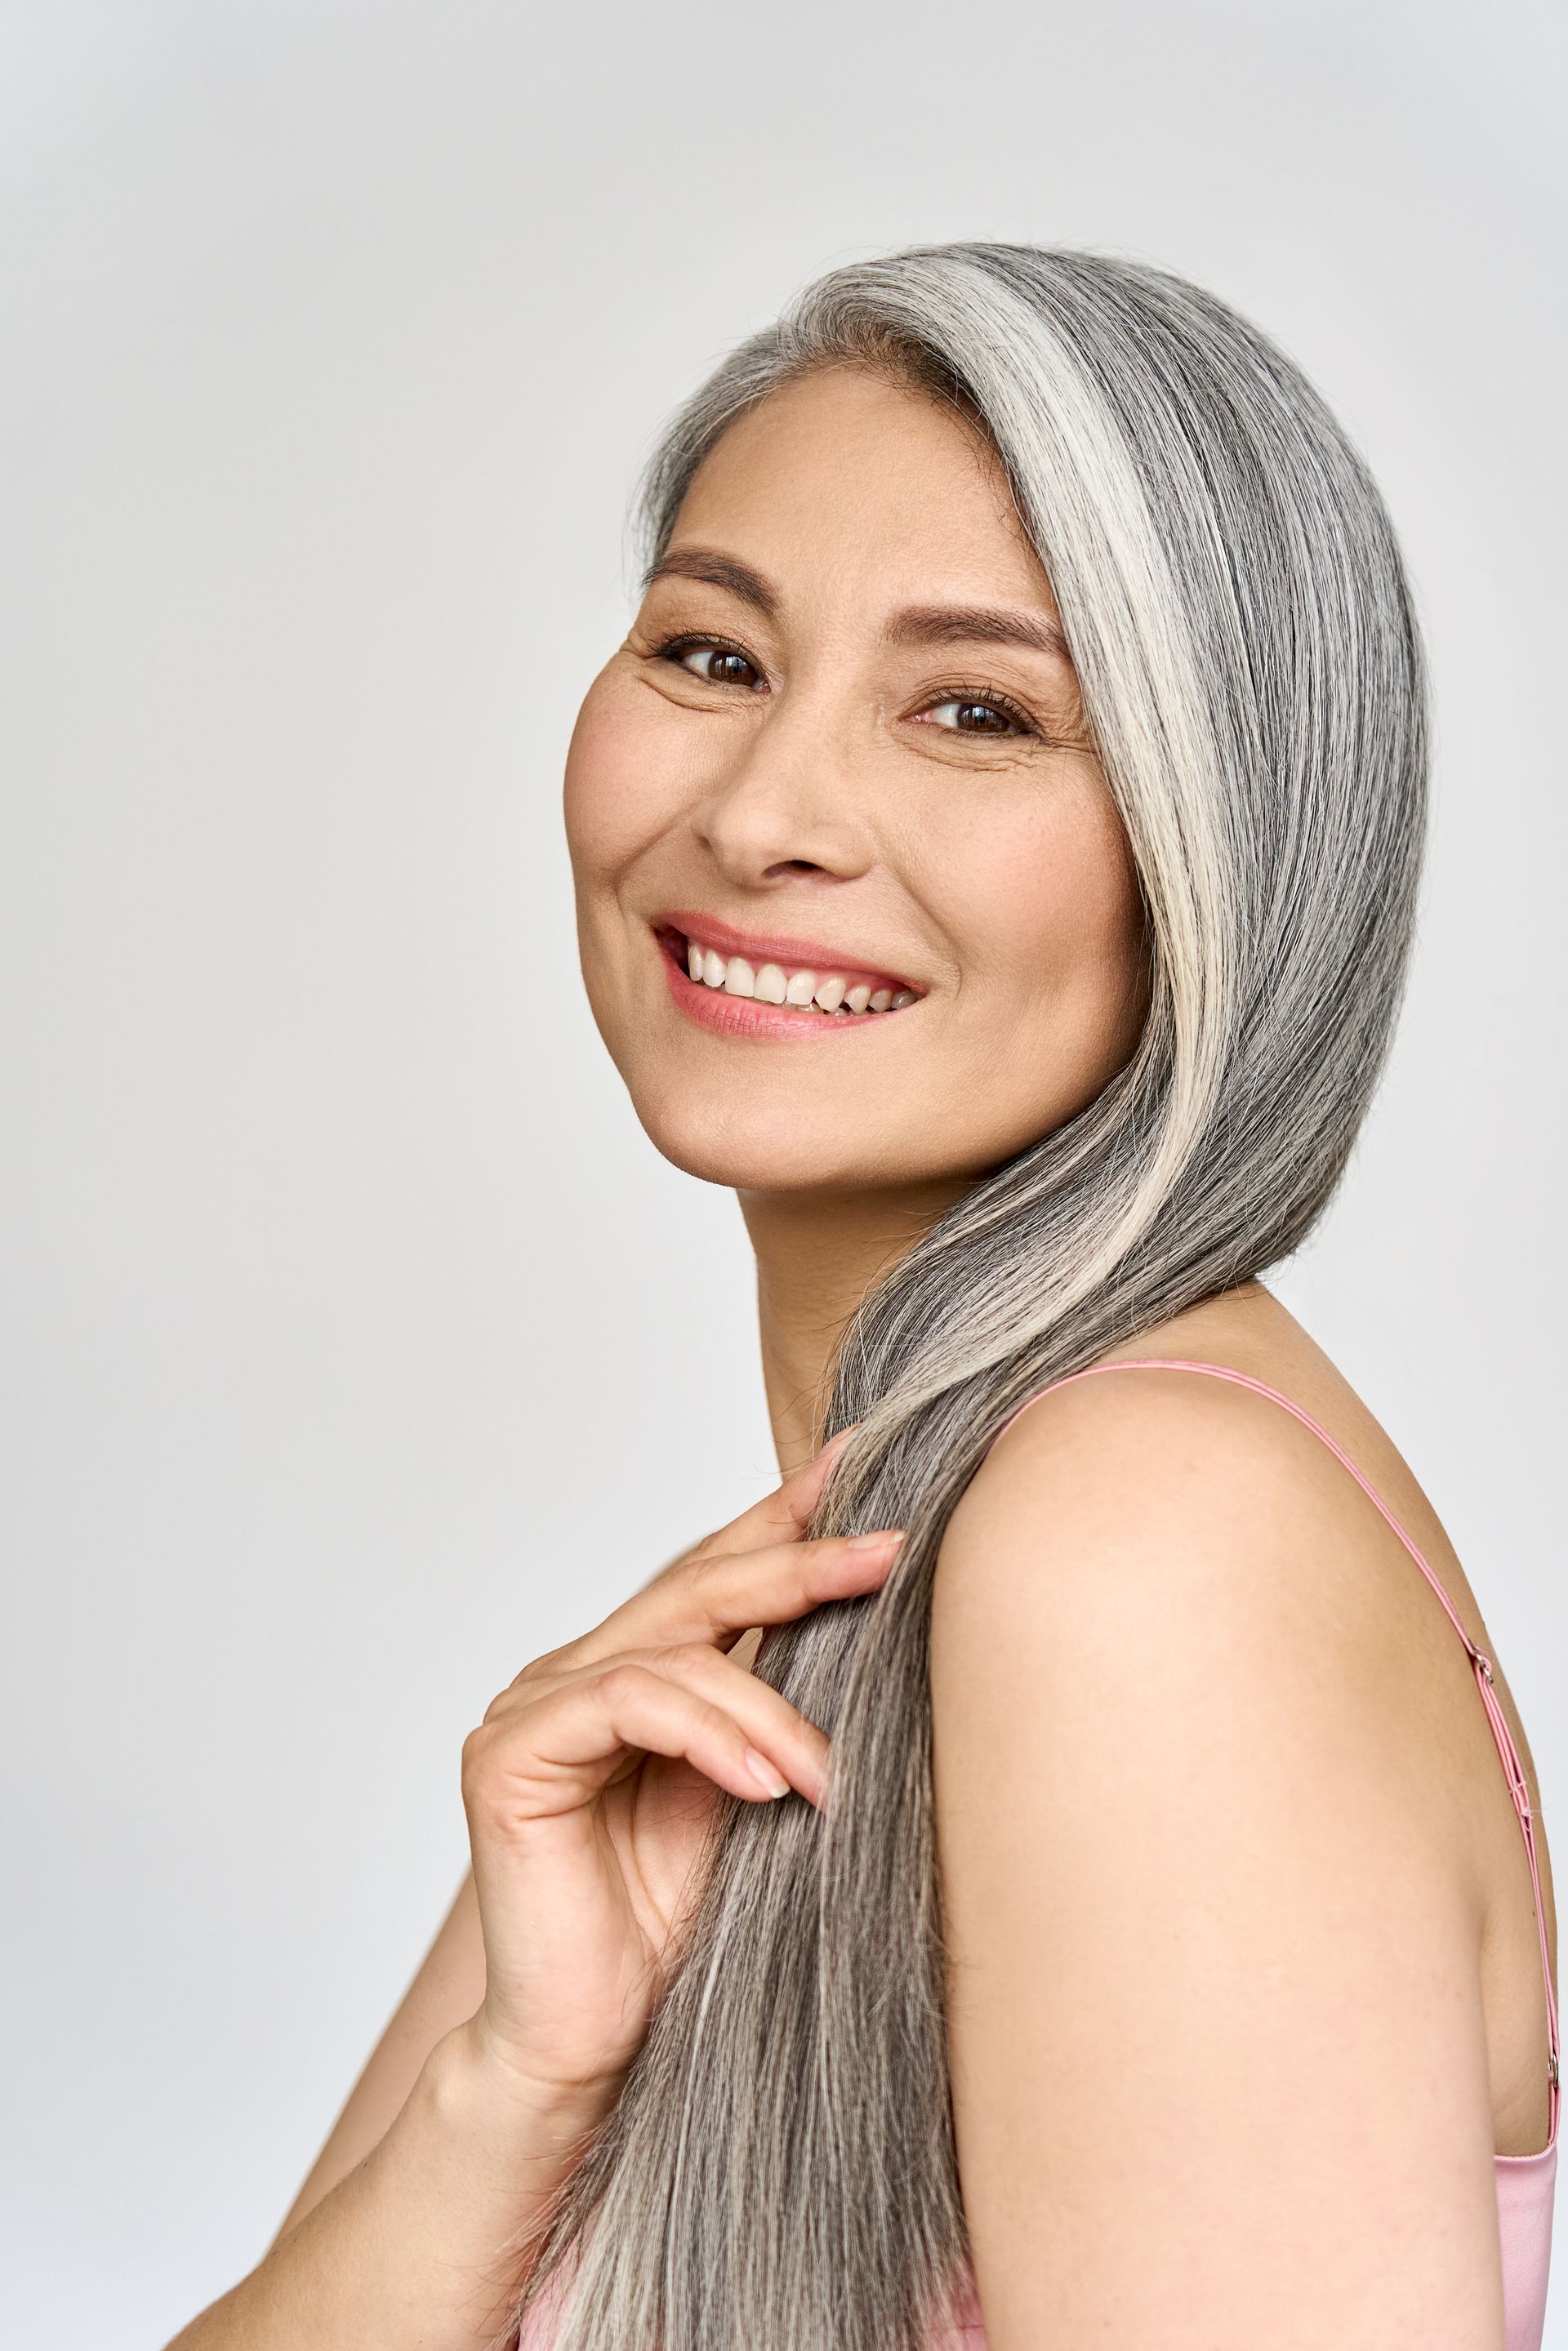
(773, 946)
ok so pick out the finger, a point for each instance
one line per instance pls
(780, 1516)
(557, 1756)
(718, 1598)
(771, 1725)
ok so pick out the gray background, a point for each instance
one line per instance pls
(356, 1344)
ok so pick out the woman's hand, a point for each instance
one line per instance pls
(591, 1784)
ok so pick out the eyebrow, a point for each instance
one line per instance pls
(988, 624)
(718, 572)
(918, 625)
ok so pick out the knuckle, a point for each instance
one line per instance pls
(692, 1659)
(478, 1750)
(622, 1678)
(536, 1670)
(699, 1574)
(550, 1662)
(705, 1587)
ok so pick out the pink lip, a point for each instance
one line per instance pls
(744, 1015)
(795, 955)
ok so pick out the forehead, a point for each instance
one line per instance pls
(846, 483)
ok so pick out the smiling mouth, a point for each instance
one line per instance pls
(815, 993)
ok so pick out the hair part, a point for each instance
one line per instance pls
(779, 2169)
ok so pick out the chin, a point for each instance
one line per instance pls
(749, 1150)
(782, 1146)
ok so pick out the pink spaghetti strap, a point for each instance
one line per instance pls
(1519, 1787)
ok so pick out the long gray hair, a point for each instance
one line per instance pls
(779, 2172)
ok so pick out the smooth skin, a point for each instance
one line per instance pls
(1245, 1988)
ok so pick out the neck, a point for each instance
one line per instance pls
(818, 1254)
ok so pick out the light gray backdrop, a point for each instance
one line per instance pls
(356, 1344)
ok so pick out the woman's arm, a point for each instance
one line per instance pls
(1218, 2056)
(419, 2244)
(592, 1788)
(448, 1989)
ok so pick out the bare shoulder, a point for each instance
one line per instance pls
(1210, 1952)
(1189, 1501)
(1158, 1549)
(1171, 1569)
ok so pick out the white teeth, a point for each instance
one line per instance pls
(830, 991)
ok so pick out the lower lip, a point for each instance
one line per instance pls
(744, 1015)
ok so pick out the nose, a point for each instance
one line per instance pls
(783, 807)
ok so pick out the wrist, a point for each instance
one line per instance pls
(527, 2120)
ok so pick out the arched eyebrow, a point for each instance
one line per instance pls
(917, 624)
(717, 571)
(985, 625)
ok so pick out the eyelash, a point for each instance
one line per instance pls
(672, 647)
(990, 697)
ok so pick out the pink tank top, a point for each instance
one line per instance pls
(1525, 2183)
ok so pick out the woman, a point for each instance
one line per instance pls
(1098, 1915)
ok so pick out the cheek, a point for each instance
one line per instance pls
(1058, 919)
(622, 785)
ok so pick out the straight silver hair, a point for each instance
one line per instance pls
(778, 2172)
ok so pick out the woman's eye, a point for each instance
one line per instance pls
(966, 717)
(716, 665)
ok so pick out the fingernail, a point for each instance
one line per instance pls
(766, 1774)
(885, 1539)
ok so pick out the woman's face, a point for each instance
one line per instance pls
(840, 761)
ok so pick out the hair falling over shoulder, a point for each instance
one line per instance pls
(778, 2173)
